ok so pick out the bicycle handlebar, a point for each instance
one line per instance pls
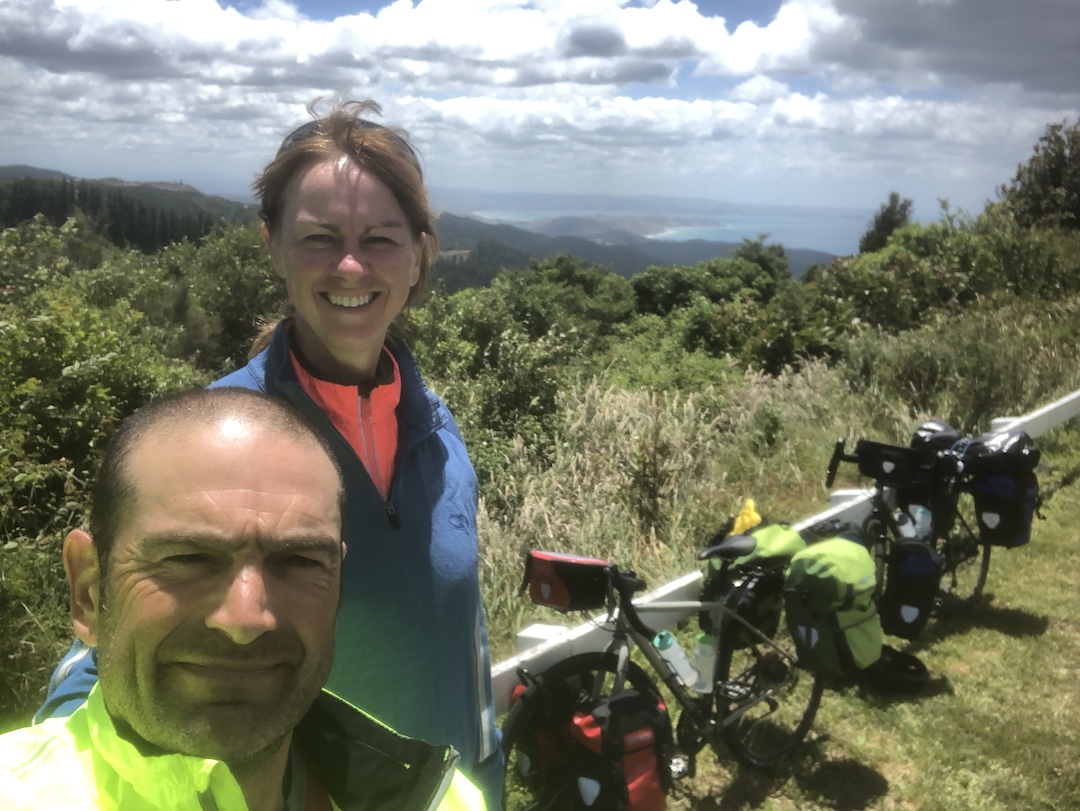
(838, 456)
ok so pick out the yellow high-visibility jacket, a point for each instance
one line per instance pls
(82, 762)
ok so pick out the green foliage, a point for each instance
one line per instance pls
(922, 269)
(226, 287)
(1045, 192)
(499, 379)
(651, 356)
(1034, 263)
(72, 373)
(477, 267)
(771, 259)
(796, 326)
(717, 329)
(894, 214)
(76, 358)
(972, 367)
(36, 254)
(755, 272)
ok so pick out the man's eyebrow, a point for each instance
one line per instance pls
(165, 541)
(169, 540)
(311, 543)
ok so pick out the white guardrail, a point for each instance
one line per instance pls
(540, 645)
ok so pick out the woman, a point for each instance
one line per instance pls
(346, 221)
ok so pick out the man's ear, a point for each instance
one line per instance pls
(84, 584)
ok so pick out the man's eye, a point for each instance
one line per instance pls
(303, 562)
(189, 559)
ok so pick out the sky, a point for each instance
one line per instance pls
(822, 103)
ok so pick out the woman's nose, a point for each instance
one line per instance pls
(351, 262)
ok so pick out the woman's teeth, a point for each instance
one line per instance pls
(349, 301)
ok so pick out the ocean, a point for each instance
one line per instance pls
(835, 231)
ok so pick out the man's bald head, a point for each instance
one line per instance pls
(230, 410)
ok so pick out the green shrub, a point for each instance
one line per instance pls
(72, 373)
(969, 368)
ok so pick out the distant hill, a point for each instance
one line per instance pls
(473, 250)
(624, 252)
(145, 216)
(178, 198)
(21, 170)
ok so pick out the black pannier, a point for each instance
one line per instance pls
(912, 578)
(936, 435)
(1005, 452)
(1003, 485)
(909, 473)
(1005, 507)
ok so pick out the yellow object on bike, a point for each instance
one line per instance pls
(747, 518)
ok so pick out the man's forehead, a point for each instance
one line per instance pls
(227, 438)
(228, 457)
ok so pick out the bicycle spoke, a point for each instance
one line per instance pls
(967, 563)
(765, 702)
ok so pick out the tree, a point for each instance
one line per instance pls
(892, 215)
(1045, 192)
(772, 259)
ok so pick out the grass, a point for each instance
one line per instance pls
(996, 729)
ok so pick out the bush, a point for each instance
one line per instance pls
(968, 369)
(73, 372)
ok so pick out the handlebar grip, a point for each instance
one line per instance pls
(837, 455)
(626, 584)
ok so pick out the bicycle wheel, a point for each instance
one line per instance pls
(965, 567)
(764, 702)
(538, 776)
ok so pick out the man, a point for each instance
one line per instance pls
(209, 584)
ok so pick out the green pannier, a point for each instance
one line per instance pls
(773, 541)
(829, 602)
(762, 605)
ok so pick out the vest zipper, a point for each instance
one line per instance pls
(367, 441)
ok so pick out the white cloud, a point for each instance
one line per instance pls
(759, 89)
(829, 102)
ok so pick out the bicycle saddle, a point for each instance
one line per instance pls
(733, 546)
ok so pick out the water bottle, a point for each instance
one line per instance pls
(922, 518)
(704, 661)
(905, 524)
(675, 656)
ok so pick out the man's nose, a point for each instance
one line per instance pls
(244, 612)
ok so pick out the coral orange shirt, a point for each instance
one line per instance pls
(366, 415)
